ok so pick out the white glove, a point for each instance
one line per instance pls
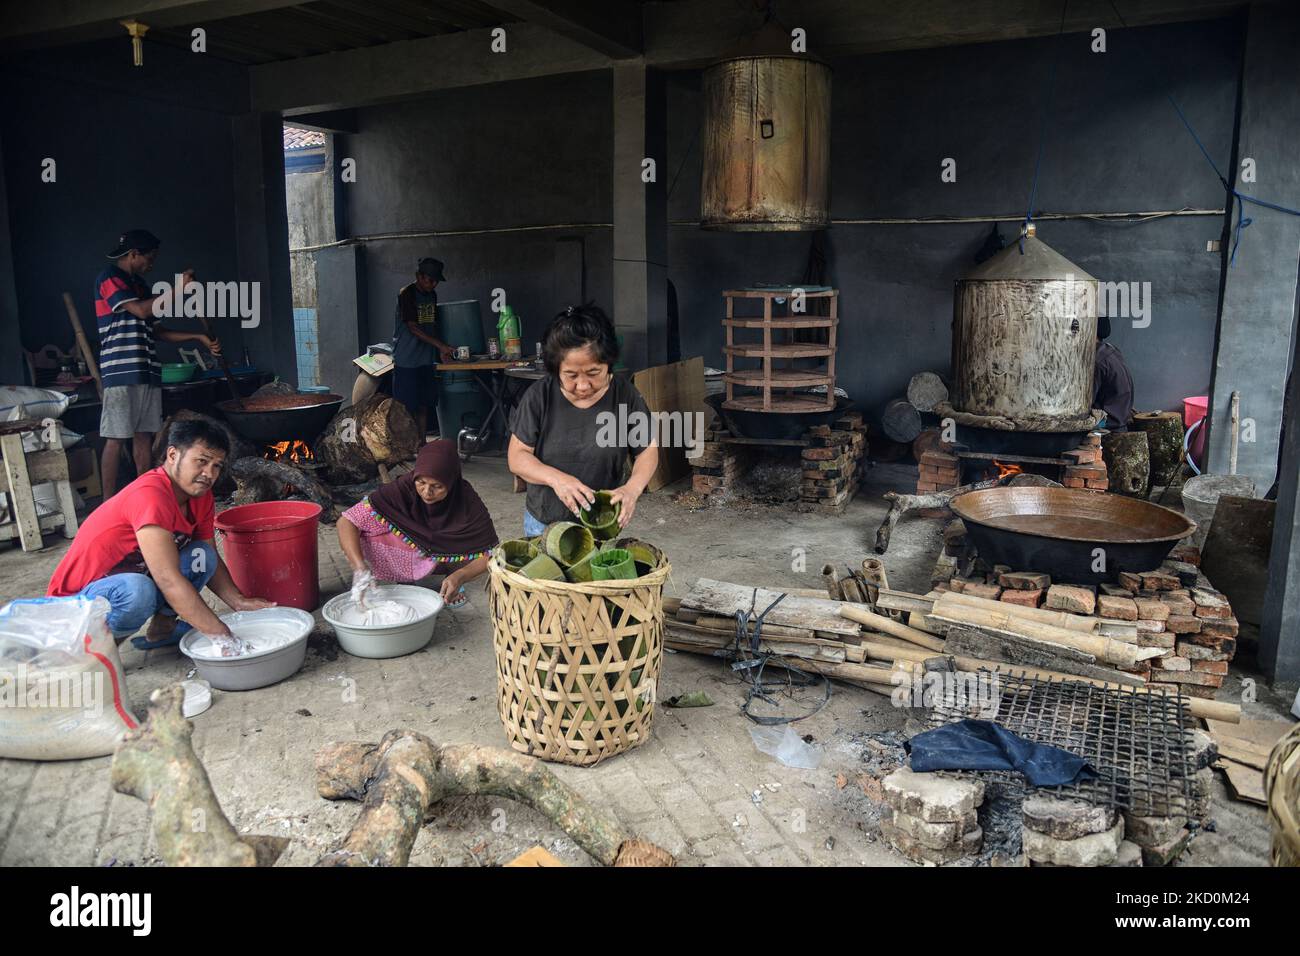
(232, 646)
(362, 581)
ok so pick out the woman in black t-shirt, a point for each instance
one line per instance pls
(573, 430)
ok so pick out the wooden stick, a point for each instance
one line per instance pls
(82, 343)
(1235, 421)
(1083, 623)
(1106, 649)
(887, 625)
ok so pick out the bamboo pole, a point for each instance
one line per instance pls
(886, 625)
(82, 344)
(1120, 653)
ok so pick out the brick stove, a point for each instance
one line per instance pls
(1081, 467)
(829, 461)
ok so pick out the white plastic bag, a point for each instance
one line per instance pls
(24, 401)
(62, 692)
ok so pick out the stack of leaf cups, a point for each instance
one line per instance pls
(568, 551)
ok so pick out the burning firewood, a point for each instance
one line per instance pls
(263, 480)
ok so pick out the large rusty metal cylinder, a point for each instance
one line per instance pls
(766, 153)
(1024, 335)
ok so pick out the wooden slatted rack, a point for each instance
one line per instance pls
(782, 342)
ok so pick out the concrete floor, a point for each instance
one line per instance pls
(699, 787)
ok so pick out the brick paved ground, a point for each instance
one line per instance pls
(698, 787)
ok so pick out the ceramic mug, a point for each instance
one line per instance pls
(462, 352)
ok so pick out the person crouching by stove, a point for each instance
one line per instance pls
(1112, 382)
(429, 521)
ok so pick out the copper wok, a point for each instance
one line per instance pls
(1076, 536)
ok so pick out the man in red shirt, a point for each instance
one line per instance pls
(148, 550)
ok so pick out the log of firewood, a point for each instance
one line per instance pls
(399, 779)
(1164, 431)
(1128, 463)
(900, 504)
(280, 476)
(376, 430)
(925, 391)
(156, 763)
(901, 421)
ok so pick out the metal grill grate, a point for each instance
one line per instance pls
(1137, 742)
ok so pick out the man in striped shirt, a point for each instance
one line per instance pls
(128, 363)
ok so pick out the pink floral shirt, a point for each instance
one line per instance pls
(392, 556)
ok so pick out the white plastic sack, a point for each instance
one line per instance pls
(34, 441)
(24, 401)
(62, 691)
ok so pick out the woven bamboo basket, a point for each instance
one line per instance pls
(1282, 787)
(577, 664)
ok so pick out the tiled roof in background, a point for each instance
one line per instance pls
(295, 138)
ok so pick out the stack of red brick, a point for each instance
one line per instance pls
(831, 464)
(937, 471)
(1174, 608)
(1087, 469)
(718, 463)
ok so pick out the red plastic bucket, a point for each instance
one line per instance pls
(270, 549)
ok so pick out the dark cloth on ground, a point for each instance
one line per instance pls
(984, 745)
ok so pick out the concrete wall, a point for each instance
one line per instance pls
(536, 152)
(493, 157)
(1114, 145)
(130, 153)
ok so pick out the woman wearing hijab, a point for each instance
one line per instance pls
(429, 521)
(557, 442)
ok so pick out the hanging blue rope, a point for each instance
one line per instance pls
(1239, 198)
(1042, 130)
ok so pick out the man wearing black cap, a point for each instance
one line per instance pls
(1112, 382)
(128, 363)
(416, 349)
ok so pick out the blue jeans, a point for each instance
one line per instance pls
(134, 598)
(532, 527)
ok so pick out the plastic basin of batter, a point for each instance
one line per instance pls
(261, 668)
(394, 641)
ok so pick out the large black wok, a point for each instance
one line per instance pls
(1078, 537)
(269, 419)
(775, 426)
